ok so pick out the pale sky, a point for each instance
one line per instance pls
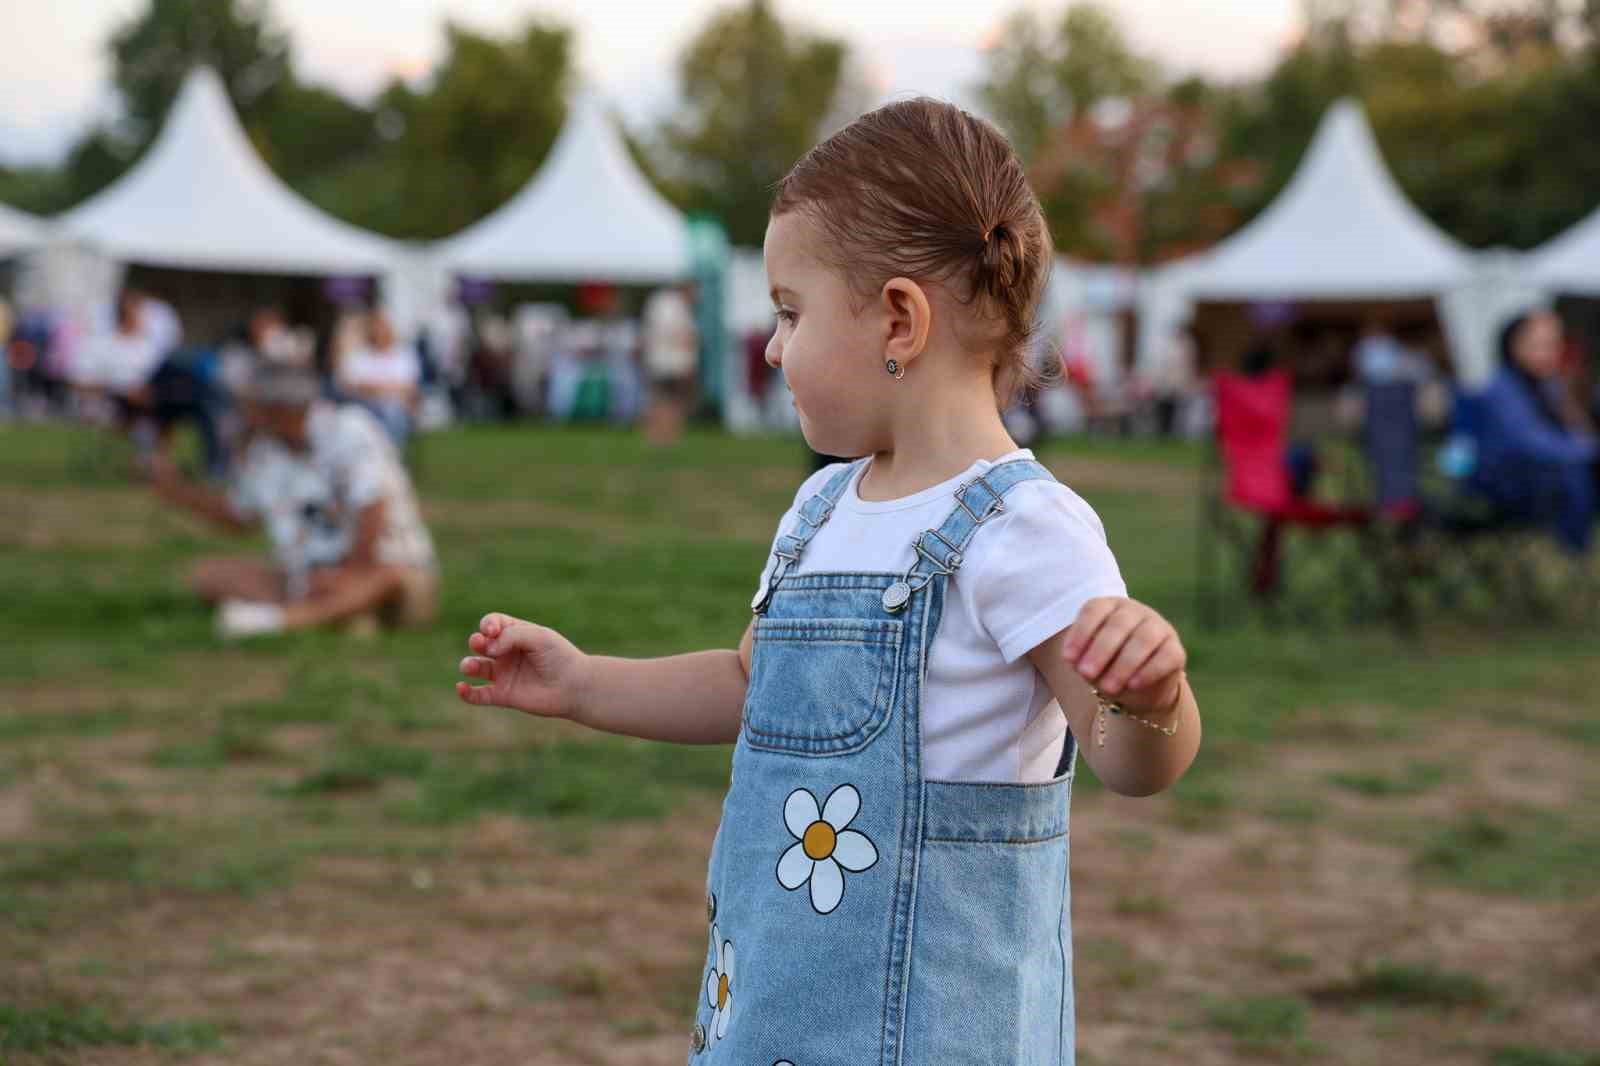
(54, 75)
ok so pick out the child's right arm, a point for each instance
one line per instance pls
(696, 698)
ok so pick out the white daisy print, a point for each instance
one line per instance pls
(826, 848)
(719, 984)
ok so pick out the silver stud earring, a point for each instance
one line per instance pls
(894, 368)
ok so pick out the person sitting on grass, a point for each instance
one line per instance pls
(348, 539)
(1530, 460)
(941, 628)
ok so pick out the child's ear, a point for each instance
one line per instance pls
(908, 320)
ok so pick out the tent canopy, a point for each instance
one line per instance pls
(587, 214)
(1341, 230)
(201, 198)
(19, 232)
(1570, 262)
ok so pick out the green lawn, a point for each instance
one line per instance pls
(163, 797)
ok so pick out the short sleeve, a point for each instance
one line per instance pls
(248, 491)
(1030, 572)
(809, 488)
(360, 453)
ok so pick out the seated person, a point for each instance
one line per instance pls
(117, 361)
(1529, 460)
(384, 374)
(347, 535)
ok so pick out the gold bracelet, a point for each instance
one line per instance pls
(1111, 707)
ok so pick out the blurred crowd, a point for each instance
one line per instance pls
(305, 436)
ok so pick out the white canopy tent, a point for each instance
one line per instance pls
(588, 214)
(19, 232)
(1341, 230)
(202, 199)
(1568, 263)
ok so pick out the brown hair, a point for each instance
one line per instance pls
(922, 189)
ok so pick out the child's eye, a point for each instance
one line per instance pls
(787, 316)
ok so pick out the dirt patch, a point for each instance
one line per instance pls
(550, 943)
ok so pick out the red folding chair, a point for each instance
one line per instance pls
(1253, 416)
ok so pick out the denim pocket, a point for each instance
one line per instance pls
(821, 686)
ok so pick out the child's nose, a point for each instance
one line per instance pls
(774, 351)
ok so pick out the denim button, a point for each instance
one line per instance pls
(896, 596)
(697, 1039)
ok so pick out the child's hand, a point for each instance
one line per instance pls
(1127, 651)
(529, 668)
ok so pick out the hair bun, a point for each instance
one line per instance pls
(1002, 259)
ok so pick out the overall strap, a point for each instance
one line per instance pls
(811, 516)
(938, 551)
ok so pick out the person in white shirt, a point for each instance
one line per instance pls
(384, 374)
(671, 357)
(347, 533)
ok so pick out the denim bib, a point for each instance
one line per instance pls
(860, 913)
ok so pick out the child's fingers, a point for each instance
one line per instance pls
(478, 643)
(494, 623)
(1082, 631)
(477, 695)
(482, 669)
(517, 635)
(1108, 640)
(1143, 642)
(1168, 659)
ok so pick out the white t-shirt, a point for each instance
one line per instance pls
(119, 362)
(354, 459)
(395, 367)
(672, 343)
(987, 714)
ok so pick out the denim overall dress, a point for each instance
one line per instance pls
(859, 913)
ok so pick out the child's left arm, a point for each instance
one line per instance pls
(1134, 657)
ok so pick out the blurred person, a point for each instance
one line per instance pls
(538, 329)
(1381, 357)
(624, 376)
(940, 632)
(161, 322)
(114, 367)
(7, 322)
(1529, 460)
(488, 391)
(383, 373)
(1176, 381)
(671, 360)
(339, 510)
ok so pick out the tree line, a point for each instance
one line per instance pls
(1484, 109)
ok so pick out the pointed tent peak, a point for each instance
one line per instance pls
(19, 231)
(1341, 229)
(1570, 261)
(202, 198)
(588, 213)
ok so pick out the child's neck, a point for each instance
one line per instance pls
(935, 440)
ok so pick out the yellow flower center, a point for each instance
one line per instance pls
(722, 991)
(820, 840)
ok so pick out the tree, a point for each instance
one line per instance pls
(1037, 79)
(153, 52)
(756, 94)
(444, 157)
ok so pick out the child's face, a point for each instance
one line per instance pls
(830, 354)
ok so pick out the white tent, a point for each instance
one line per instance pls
(19, 232)
(588, 214)
(201, 198)
(1341, 230)
(1568, 263)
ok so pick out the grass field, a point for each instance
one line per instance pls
(305, 850)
